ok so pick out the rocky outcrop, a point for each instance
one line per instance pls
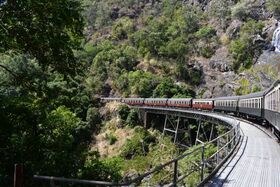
(221, 61)
(233, 29)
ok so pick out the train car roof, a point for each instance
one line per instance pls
(227, 98)
(179, 99)
(272, 86)
(253, 95)
(210, 99)
(156, 99)
(133, 98)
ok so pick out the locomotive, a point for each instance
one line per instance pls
(264, 105)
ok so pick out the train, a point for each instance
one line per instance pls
(263, 106)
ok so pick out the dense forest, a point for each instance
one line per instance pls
(57, 58)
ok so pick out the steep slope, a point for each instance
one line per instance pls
(179, 48)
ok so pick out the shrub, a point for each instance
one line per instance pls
(122, 28)
(123, 112)
(138, 144)
(243, 49)
(132, 118)
(167, 89)
(108, 169)
(244, 88)
(93, 117)
(137, 83)
(206, 35)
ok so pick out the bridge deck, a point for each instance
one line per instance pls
(256, 163)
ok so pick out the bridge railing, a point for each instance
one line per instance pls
(195, 166)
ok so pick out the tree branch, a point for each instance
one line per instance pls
(8, 70)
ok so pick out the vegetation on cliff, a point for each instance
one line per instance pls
(58, 57)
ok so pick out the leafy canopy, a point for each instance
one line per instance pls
(46, 30)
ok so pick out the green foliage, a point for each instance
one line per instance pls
(58, 132)
(189, 163)
(109, 61)
(255, 88)
(138, 144)
(205, 32)
(132, 118)
(243, 49)
(176, 48)
(123, 112)
(128, 116)
(122, 28)
(206, 36)
(167, 89)
(167, 36)
(48, 31)
(189, 74)
(160, 152)
(93, 118)
(274, 7)
(42, 112)
(138, 83)
(103, 170)
(244, 88)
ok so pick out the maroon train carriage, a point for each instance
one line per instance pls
(155, 102)
(180, 102)
(203, 104)
(133, 101)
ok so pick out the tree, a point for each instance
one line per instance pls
(167, 89)
(46, 30)
(137, 83)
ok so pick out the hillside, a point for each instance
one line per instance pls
(59, 57)
(150, 48)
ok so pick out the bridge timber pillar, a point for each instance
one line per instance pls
(145, 119)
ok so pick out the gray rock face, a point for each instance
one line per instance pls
(233, 29)
(221, 61)
(269, 29)
(217, 77)
(269, 57)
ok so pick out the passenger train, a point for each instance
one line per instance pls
(264, 105)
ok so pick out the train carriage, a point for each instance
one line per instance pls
(203, 104)
(180, 102)
(252, 104)
(227, 104)
(272, 105)
(133, 101)
(155, 101)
